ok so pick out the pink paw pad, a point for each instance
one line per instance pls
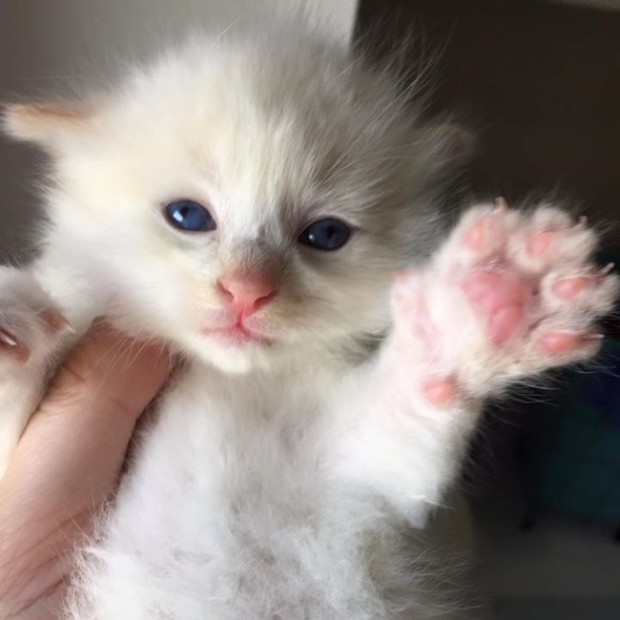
(571, 287)
(484, 232)
(541, 243)
(501, 296)
(563, 343)
(553, 238)
(440, 392)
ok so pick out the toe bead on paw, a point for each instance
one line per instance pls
(31, 326)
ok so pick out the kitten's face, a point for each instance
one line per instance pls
(248, 214)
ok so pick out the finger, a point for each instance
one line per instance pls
(68, 460)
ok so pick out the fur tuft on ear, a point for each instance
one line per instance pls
(45, 124)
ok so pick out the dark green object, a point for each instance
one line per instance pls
(575, 460)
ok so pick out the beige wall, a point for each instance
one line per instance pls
(51, 45)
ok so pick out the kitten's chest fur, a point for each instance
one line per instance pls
(246, 438)
(232, 488)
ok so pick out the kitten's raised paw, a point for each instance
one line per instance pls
(30, 323)
(509, 294)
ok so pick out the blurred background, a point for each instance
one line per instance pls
(539, 84)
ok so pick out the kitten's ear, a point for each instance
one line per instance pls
(48, 125)
(444, 148)
(455, 143)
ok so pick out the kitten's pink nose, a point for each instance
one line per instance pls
(248, 292)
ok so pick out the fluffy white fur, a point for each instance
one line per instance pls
(280, 481)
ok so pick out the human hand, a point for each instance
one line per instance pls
(67, 465)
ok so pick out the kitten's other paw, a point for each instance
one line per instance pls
(31, 325)
(31, 329)
(510, 294)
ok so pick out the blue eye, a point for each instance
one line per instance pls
(189, 216)
(328, 235)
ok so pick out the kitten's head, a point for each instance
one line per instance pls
(247, 200)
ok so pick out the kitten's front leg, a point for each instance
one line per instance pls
(31, 329)
(508, 295)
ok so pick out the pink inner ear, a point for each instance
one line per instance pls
(44, 123)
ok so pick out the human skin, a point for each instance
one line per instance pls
(67, 465)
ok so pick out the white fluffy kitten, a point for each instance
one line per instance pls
(248, 200)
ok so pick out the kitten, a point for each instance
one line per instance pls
(248, 200)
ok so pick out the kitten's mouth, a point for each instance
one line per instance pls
(236, 335)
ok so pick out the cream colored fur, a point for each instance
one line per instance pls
(280, 482)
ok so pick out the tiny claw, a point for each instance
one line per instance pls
(500, 204)
(14, 347)
(607, 269)
(7, 340)
(582, 222)
(587, 337)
